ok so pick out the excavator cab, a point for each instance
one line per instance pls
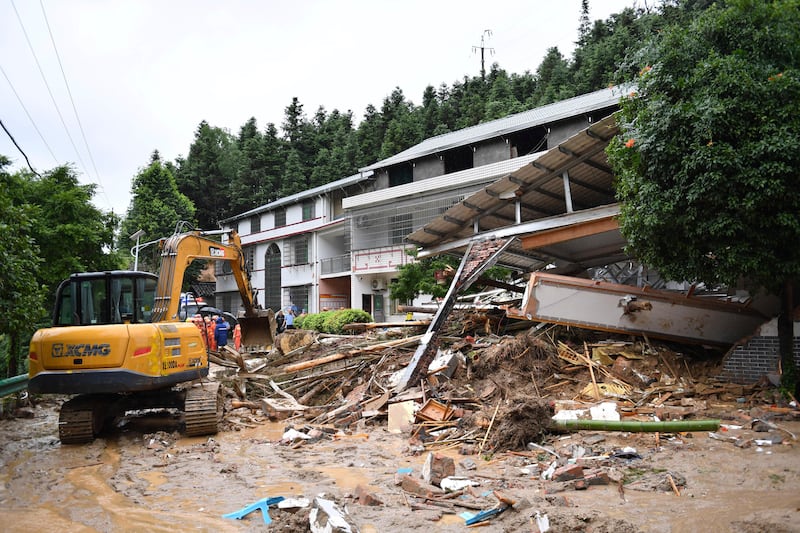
(99, 298)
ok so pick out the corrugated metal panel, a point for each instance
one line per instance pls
(540, 189)
(571, 107)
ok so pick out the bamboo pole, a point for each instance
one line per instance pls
(634, 426)
(489, 429)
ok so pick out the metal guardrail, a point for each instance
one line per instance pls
(13, 385)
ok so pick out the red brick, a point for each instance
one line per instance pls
(418, 487)
(365, 497)
(568, 472)
(597, 478)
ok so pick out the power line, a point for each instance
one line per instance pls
(52, 98)
(72, 101)
(13, 140)
(22, 104)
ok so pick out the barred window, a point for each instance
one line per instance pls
(255, 223)
(249, 257)
(280, 217)
(309, 210)
(400, 227)
(272, 278)
(296, 250)
(298, 297)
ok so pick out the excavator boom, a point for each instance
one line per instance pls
(178, 252)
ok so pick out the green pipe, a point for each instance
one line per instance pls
(638, 426)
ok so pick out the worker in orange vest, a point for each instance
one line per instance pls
(210, 327)
(237, 337)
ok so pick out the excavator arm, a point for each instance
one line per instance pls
(178, 252)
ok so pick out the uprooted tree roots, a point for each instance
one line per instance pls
(523, 353)
(524, 421)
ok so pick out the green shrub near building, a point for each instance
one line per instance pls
(332, 321)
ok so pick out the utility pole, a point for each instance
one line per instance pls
(483, 48)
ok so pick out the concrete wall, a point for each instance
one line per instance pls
(759, 355)
(381, 179)
(428, 167)
(491, 151)
(563, 130)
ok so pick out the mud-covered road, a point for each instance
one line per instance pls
(142, 478)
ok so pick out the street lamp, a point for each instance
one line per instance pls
(136, 236)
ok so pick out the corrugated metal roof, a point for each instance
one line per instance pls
(539, 187)
(452, 180)
(310, 193)
(564, 109)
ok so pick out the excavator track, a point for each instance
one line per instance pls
(80, 420)
(203, 409)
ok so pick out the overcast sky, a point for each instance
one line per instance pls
(144, 73)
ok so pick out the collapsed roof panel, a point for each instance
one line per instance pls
(629, 310)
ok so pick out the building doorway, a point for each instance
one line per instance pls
(373, 304)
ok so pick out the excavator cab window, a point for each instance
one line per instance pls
(94, 298)
(144, 299)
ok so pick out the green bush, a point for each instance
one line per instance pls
(314, 321)
(336, 321)
(332, 321)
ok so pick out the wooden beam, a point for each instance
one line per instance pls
(568, 233)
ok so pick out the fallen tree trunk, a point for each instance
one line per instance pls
(304, 365)
(359, 326)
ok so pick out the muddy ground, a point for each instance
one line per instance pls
(145, 477)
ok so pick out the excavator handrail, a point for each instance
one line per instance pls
(178, 252)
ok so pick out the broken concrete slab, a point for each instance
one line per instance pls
(437, 467)
(327, 517)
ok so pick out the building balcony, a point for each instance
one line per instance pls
(335, 265)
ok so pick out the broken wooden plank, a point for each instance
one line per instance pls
(221, 362)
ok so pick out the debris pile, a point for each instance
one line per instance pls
(500, 389)
(490, 391)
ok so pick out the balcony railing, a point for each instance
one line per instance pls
(332, 265)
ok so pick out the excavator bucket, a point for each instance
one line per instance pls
(258, 331)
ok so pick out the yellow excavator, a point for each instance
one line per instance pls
(119, 342)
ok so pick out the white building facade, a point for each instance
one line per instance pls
(341, 245)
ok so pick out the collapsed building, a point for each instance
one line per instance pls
(555, 219)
